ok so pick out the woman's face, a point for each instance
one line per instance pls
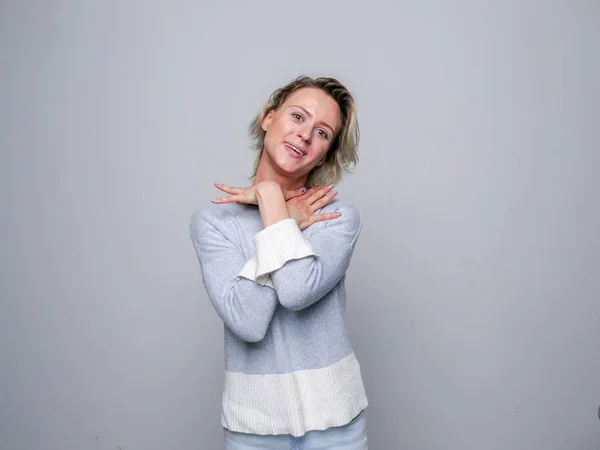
(300, 131)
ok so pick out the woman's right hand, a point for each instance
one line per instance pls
(303, 207)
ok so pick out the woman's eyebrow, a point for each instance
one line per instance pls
(309, 114)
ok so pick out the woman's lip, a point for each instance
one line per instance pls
(296, 146)
(293, 153)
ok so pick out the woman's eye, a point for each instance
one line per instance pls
(323, 134)
(297, 116)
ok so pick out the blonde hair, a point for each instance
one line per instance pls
(342, 154)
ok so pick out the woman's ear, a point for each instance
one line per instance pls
(267, 119)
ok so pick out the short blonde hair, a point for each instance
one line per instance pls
(342, 155)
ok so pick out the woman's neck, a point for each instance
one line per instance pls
(266, 172)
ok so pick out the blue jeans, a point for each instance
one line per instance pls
(352, 436)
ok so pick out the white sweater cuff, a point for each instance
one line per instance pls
(278, 244)
(275, 245)
(249, 272)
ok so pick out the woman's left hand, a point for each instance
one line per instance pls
(247, 194)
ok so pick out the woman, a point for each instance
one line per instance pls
(273, 258)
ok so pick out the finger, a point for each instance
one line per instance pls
(324, 216)
(228, 189)
(320, 193)
(312, 190)
(294, 193)
(228, 199)
(323, 200)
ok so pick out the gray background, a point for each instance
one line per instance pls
(474, 293)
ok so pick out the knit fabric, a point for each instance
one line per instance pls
(289, 364)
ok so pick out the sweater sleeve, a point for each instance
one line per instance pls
(302, 269)
(245, 307)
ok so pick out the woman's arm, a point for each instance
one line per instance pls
(245, 307)
(303, 270)
(303, 279)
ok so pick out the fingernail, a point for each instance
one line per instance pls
(330, 186)
(303, 190)
(333, 192)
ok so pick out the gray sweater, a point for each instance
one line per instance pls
(289, 364)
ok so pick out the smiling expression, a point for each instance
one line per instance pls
(300, 132)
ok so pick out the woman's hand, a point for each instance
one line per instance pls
(247, 195)
(302, 208)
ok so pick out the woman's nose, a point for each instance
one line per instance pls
(304, 134)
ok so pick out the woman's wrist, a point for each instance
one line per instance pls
(271, 203)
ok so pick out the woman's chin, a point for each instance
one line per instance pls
(289, 168)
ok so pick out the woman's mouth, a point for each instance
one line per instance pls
(294, 151)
